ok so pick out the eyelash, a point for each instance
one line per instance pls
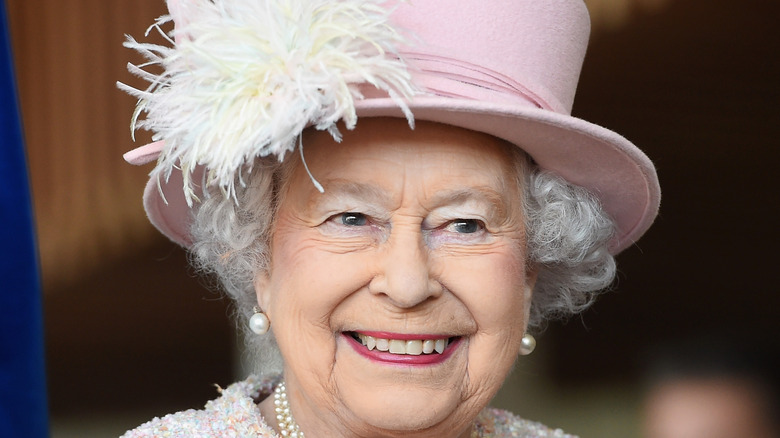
(457, 223)
(346, 216)
(356, 219)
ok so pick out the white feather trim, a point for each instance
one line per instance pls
(245, 77)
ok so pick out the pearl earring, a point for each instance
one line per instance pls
(527, 345)
(259, 322)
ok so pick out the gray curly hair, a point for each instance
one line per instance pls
(567, 234)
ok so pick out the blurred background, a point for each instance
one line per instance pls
(132, 332)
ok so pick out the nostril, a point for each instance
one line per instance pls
(404, 273)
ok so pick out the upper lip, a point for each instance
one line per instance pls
(403, 336)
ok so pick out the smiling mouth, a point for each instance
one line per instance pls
(411, 347)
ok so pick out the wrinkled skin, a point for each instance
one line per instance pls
(417, 232)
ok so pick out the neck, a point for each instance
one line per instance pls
(316, 419)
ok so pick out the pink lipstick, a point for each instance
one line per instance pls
(402, 349)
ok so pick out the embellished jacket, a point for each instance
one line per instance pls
(235, 414)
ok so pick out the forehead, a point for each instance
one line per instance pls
(386, 155)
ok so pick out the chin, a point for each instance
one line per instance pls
(405, 408)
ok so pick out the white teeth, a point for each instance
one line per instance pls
(441, 344)
(396, 346)
(414, 347)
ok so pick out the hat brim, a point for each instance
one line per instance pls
(583, 153)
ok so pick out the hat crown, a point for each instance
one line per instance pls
(529, 50)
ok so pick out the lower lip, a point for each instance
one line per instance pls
(402, 359)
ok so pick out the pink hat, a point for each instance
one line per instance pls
(508, 68)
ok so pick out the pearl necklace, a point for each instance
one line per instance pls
(288, 428)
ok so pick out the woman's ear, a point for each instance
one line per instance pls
(531, 274)
(262, 284)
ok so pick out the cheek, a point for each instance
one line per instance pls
(493, 288)
(309, 283)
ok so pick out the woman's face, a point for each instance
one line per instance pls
(418, 240)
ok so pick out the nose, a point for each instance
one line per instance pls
(404, 274)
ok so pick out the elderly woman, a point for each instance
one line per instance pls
(390, 270)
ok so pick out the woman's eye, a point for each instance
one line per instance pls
(353, 219)
(466, 226)
(351, 224)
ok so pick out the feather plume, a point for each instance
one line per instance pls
(243, 78)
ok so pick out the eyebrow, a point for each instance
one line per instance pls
(337, 188)
(480, 194)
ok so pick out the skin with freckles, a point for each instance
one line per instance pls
(417, 233)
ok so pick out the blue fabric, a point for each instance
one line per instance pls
(23, 411)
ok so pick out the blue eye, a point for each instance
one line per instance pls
(353, 219)
(466, 226)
